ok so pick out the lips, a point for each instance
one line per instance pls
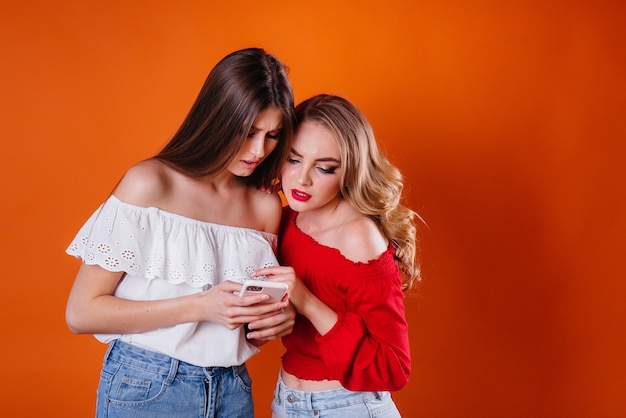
(250, 164)
(299, 195)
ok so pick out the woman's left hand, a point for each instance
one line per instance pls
(272, 326)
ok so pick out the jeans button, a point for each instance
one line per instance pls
(291, 398)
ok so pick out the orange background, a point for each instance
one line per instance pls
(506, 117)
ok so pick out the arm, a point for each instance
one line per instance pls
(268, 206)
(305, 302)
(367, 345)
(92, 307)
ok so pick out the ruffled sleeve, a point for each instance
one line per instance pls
(151, 243)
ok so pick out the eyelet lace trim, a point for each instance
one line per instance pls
(152, 243)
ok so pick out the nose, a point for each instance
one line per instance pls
(304, 179)
(256, 146)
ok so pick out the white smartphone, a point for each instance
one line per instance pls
(275, 290)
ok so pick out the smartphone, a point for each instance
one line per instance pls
(275, 290)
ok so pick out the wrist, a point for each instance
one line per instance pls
(320, 315)
(192, 308)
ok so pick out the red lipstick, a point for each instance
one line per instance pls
(300, 196)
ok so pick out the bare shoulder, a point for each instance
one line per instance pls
(360, 240)
(145, 183)
(268, 209)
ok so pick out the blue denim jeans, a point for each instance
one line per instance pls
(138, 383)
(290, 403)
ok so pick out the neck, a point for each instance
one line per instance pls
(223, 180)
(320, 219)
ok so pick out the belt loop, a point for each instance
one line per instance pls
(173, 370)
(310, 402)
(278, 395)
(238, 369)
(108, 352)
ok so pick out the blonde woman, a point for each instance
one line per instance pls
(347, 249)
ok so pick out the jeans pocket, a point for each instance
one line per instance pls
(244, 379)
(383, 407)
(135, 386)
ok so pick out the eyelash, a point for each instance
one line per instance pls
(322, 169)
(274, 137)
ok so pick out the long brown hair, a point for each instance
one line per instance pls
(369, 181)
(241, 85)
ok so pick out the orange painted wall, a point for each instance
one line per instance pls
(507, 118)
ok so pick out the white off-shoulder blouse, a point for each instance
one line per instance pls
(165, 255)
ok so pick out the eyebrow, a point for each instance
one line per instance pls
(271, 130)
(325, 159)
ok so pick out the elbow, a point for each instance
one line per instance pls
(404, 378)
(74, 322)
(400, 384)
(73, 325)
(393, 385)
(399, 379)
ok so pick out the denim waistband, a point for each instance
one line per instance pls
(155, 362)
(297, 399)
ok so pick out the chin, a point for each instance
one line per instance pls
(298, 206)
(242, 173)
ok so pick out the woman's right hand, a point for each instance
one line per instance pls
(306, 303)
(298, 292)
(220, 304)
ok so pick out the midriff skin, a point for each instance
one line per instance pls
(308, 385)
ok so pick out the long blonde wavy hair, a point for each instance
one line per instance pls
(368, 181)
